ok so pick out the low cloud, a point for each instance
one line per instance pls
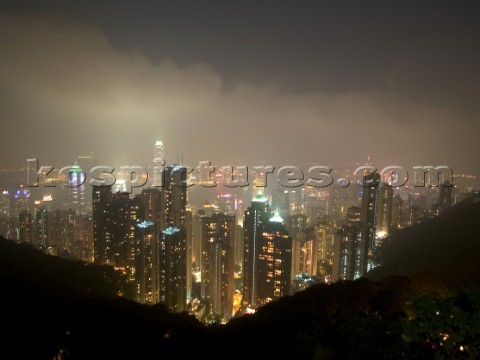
(66, 91)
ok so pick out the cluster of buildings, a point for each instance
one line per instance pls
(230, 256)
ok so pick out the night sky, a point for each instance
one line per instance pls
(252, 82)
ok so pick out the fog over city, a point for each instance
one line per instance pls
(247, 84)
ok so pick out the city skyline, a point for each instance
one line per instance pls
(294, 170)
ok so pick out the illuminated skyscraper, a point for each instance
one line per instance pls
(42, 227)
(384, 213)
(197, 239)
(158, 162)
(255, 218)
(337, 202)
(308, 255)
(274, 261)
(218, 264)
(353, 247)
(5, 204)
(397, 212)
(173, 268)
(84, 238)
(174, 196)
(369, 209)
(325, 235)
(175, 261)
(63, 231)
(189, 229)
(317, 206)
(353, 252)
(115, 220)
(147, 263)
(4, 212)
(21, 199)
(76, 180)
(25, 227)
(136, 215)
(296, 224)
(101, 199)
(87, 163)
(152, 202)
(119, 229)
(354, 216)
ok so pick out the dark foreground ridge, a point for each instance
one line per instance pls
(65, 309)
(446, 248)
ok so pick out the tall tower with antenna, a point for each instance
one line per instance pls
(158, 162)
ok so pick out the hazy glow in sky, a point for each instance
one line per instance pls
(268, 86)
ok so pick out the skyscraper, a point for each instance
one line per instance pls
(218, 264)
(4, 212)
(369, 209)
(384, 213)
(118, 225)
(21, 200)
(84, 237)
(25, 227)
(147, 279)
(174, 196)
(255, 218)
(101, 200)
(5, 204)
(158, 162)
(76, 181)
(397, 212)
(42, 227)
(173, 268)
(307, 252)
(274, 261)
(353, 246)
(62, 231)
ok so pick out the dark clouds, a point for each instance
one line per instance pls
(69, 86)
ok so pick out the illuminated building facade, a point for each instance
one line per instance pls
(42, 227)
(158, 162)
(147, 278)
(218, 264)
(353, 246)
(62, 231)
(101, 200)
(76, 181)
(173, 269)
(369, 209)
(384, 213)
(4, 212)
(21, 202)
(174, 196)
(25, 227)
(255, 218)
(309, 252)
(5, 204)
(274, 261)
